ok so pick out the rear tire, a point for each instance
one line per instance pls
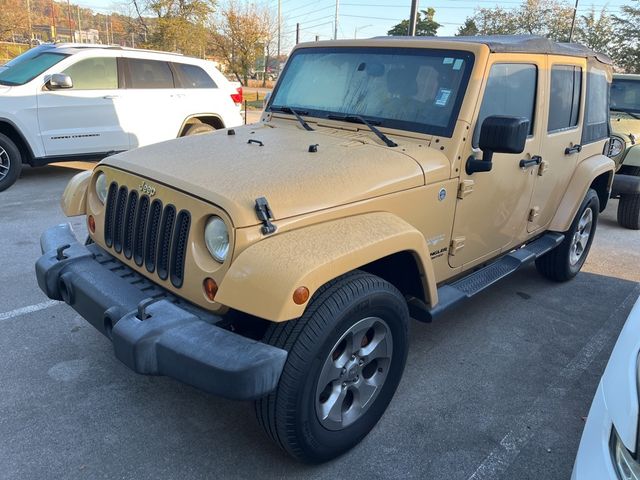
(346, 357)
(10, 162)
(629, 205)
(199, 129)
(565, 261)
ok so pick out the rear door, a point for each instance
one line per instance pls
(494, 215)
(84, 119)
(562, 146)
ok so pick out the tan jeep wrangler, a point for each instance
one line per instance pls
(388, 179)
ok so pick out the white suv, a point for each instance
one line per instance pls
(76, 101)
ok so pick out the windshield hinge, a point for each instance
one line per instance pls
(265, 215)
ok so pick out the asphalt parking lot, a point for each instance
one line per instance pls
(497, 389)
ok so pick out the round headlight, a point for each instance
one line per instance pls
(101, 187)
(616, 146)
(216, 237)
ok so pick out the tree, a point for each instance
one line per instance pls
(240, 36)
(596, 32)
(13, 18)
(426, 26)
(627, 26)
(468, 29)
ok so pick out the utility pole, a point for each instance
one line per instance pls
(335, 30)
(573, 22)
(69, 16)
(297, 33)
(53, 22)
(79, 27)
(106, 26)
(413, 18)
(29, 20)
(279, 26)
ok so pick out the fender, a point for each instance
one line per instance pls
(583, 177)
(262, 279)
(74, 198)
(632, 157)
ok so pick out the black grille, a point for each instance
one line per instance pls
(150, 233)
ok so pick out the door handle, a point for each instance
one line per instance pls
(110, 97)
(573, 149)
(535, 160)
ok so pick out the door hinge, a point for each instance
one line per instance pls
(544, 166)
(265, 215)
(457, 244)
(466, 188)
(533, 213)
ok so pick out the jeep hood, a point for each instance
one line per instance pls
(231, 171)
(625, 124)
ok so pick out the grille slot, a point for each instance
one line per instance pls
(153, 226)
(121, 203)
(166, 230)
(148, 232)
(129, 220)
(179, 249)
(109, 212)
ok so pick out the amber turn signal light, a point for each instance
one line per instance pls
(301, 295)
(210, 288)
(92, 223)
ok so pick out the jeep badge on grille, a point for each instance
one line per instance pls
(145, 188)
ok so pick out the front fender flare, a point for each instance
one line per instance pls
(74, 198)
(262, 279)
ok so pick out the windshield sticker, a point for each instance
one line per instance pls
(443, 97)
(447, 61)
(457, 64)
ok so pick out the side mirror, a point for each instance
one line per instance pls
(499, 134)
(60, 81)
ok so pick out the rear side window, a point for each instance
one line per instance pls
(564, 97)
(94, 74)
(596, 125)
(149, 74)
(192, 76)
(511, 90)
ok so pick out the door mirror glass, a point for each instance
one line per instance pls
(60, 81)
(503, 134)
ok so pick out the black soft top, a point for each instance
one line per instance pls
(521, 44)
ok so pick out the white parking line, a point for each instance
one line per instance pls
(499, 460)
(28, 309)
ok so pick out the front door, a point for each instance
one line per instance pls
(84, 119)
(561, 148)
(492, 214)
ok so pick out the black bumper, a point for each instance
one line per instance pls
(174, 338)
(625, 185)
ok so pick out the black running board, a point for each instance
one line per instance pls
(466, 287)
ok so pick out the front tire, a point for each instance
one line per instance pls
(10, 162)
(565, 261)
(629, 205)
(199, 129)
(346, 357)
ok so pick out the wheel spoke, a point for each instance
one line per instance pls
(332, 408)
(376, 349)
(331, 373)
(366, 390)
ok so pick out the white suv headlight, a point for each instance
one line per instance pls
(628, 468)
(216, 237)
(616, 146)
(101, 187)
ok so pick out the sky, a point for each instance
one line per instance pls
(369, 18)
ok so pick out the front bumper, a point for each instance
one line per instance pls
(625, 185)
(153, 332)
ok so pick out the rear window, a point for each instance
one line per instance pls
(564, 97)
(144, 73)
(596, 125)
(192, 76)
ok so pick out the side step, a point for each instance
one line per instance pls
(460, 290)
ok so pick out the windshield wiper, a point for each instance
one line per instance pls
(628, 112)
(358, 119)
(297, 115)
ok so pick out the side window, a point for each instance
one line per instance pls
(192, 76)
(511, 90)
(564, 97)
(596, 125)
(94, 74)
(149, 74)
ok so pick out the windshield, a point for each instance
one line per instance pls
(405, 88)
(29, 65)
(625, 95)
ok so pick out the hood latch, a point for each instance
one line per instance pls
(265, 215)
